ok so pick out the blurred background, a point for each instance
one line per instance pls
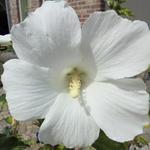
(140, 8)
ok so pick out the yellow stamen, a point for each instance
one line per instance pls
(75, 83)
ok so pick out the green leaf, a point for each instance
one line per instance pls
(3, 102)
(60, 147)
(125, 12)
(2, 97)
(140, 141)
(122, 1)
(8, 131)
(30, 142)
(104, 143)
(11, 143)
(117, 6)
(47, 147)
(9, 120)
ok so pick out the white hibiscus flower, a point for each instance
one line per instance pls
(77, 79)
(5, 40)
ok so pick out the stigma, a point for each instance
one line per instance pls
(74, 83)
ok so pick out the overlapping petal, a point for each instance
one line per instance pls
(119, 47)
(50, 36)
(68, 123)
(119, 107)
(30, 91)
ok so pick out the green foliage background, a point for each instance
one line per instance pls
(117, 6)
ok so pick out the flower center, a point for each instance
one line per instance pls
(75, 82)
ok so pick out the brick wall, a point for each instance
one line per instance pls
(33, 4)
(14, 11)
(14, 8)
(83, 8)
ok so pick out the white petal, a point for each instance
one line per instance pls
(120, 108)
(68, 123)
(120, 48)
(5, 39)
(28, 89)
(49, 36)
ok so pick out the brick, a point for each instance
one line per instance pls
(85, 7)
